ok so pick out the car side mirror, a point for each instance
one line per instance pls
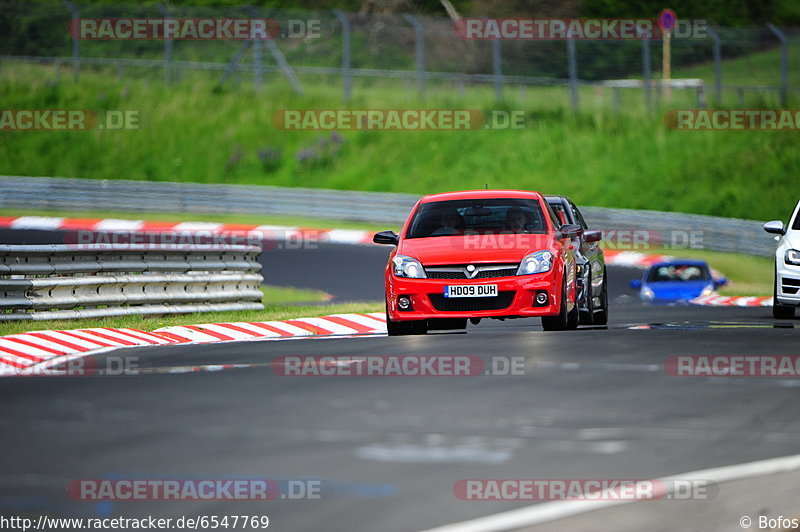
(636, 284)
(386, 237)
(570, 230)
(775, 227)
(720, 281)
(593, 236)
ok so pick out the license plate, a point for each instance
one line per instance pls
(470, 290)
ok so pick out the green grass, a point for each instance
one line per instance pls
(747, 275)
(760, 68)
(279, 295)
(192, 132)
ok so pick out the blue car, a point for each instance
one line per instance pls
(677, 280)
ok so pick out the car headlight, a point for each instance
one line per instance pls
(408, 267)
(538, 262)
(792, 257)
(708, 290)
(647, 293)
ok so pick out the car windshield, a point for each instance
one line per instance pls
(679, 272)
(477, 216)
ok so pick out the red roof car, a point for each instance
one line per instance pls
(480, 254)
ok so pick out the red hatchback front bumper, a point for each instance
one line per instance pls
(515, 297)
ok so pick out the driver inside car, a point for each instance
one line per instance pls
(452, 224)
(516, 221)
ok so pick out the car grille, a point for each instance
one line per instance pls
(789, 285)
(471, 304)
(459, 271)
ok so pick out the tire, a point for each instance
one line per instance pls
(780, 312)
(559, 321)
(587, 317)
(601, 316)
(405, 328)
(573, 317)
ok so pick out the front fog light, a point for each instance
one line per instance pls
(404, 303)
(541, 299)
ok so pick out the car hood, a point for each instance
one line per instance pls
(793, 238)
(477, 249)
(676, 290)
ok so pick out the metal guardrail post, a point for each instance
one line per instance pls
(646, 74)
(232, 66)
(258, 64)
(572, 66)
(419, 51)
(284, 65)
(258, 53)
(347, 79)
(167, 47)
(784, 62)
(717, 63)
(76, 43)
(497, 69)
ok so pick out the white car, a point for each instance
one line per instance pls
(787, 266)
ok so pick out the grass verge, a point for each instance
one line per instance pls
(193, 132)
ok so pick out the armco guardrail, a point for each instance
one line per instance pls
(66, 281)
(731, 235)
(719, 234)
(152, 196)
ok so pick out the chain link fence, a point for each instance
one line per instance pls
(419, 53)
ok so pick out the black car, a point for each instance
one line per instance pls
(592, 282)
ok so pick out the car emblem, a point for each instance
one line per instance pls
(470, 272)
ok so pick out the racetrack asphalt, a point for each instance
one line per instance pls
(592, 403)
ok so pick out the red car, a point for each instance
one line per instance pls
(480, 254)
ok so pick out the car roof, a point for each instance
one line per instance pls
(473, 194)
(552, 198)
(682, 262)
